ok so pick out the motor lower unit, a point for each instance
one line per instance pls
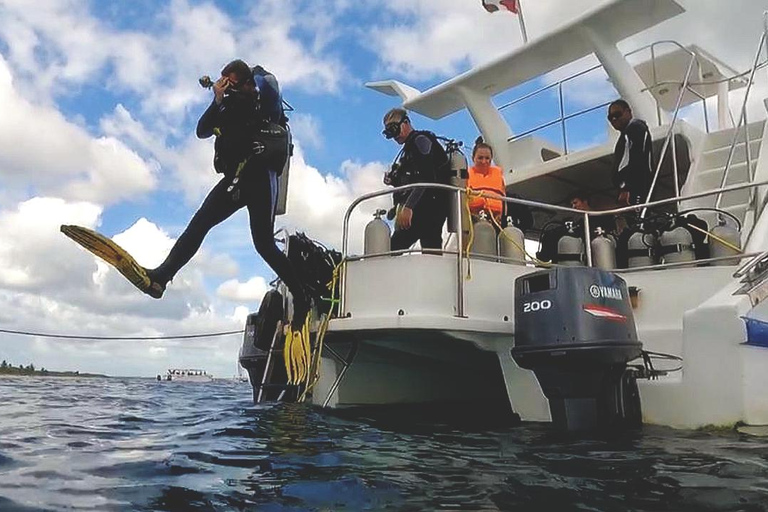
(575, 329)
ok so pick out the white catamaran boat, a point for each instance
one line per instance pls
(411, 328)
(188, 375)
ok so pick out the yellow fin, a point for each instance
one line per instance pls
(109, 251)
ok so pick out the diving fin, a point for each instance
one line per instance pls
(112, 253)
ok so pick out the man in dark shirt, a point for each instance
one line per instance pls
(632, 171)
(252, 146)
(420, 213)
(607, 223)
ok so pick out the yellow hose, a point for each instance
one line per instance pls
(717, 238)
(514, 242)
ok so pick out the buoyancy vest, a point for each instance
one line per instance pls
(413, 167)
(491, 182)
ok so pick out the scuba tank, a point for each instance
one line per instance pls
(603, 250)
(377, 235)
(728, 234)
(676, 244)
(459, 174)
(640, 249)
(511, 243)
(570, 248)
(484, 241)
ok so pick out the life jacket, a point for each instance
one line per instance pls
(490, 183)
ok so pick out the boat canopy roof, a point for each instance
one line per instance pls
(616, 21)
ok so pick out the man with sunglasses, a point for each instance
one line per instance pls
(632, 172)
(252, 146)
(419, 213)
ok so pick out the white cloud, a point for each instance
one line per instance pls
(37, 141)
(250, 291)
(307, 130)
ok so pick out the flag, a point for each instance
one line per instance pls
(497, 5)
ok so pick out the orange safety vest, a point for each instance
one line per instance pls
(491, 182)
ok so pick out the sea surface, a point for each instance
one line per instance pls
(137, 444)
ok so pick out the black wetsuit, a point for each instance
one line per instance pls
(251, 148)
(422, 160)
(633, 164)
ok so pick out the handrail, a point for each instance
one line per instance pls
(742, 119)
(746, 267)
(685, 85)
(670, 134)
(513, 200)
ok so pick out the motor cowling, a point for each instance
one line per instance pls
(377, 235)
(725, 241)
(484, 238)
(640, 249)
(603, 250)
(676, 245)
(512, 243)
(570, 248)
(574, 328)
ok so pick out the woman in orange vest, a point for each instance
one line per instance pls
(486, 178)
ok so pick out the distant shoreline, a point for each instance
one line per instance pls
(23, 372)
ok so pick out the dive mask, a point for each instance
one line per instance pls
(392, 130)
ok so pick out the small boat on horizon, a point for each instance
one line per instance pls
(188, 375)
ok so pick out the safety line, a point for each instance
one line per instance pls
(120, 338)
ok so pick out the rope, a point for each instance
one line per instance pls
(120, 338)
(514, 242)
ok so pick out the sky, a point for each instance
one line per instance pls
(99, 100)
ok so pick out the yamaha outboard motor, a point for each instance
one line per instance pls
(574, 328)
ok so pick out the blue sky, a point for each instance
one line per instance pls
(100, 99)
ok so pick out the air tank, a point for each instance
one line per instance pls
(459, 175)
(717, 248)
(570, 248)
(640, 249)
(603, 250)
(377, 235)
(512, 243)
(281, 205)
(676, 245)
(484, 239)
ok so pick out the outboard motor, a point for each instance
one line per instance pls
(377, 235)
(640, 249)
(484, 239)
(603, 250)
(459, 175)
(574, 328)
(676, 244)
(728, 234)
(570, 248)
(512, 243)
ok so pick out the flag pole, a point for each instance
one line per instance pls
(522, 22)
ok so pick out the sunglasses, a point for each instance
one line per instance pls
(392, 130)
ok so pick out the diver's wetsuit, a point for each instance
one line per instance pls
(243, 123)
(421, 161)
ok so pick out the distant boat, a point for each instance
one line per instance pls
(188, 375)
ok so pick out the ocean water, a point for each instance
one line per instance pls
(138, 444)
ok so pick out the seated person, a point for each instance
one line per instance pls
(580, 201)
(487, 178)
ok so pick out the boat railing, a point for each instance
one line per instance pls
(461, 253)
(684, 83)
(743, 123)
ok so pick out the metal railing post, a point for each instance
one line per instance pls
(562, 116)
(587, 240)
(742, 117)
(460, 259)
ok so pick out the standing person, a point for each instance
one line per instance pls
(487, 178)
(632, 171)
(580, 201)
(419, 213)
(252, 146)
